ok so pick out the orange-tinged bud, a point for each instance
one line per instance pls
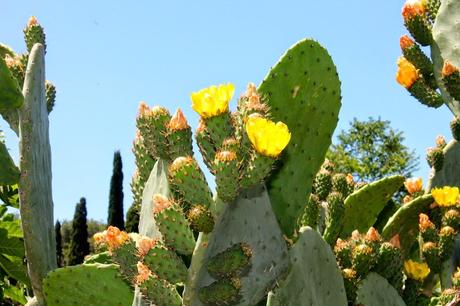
(424, 222)
(340, 244)
(407, 199)
(428, 245)
(413, 185)
(251, 90)
(160, 203)
(100, 237)
(32, 21)
(372, 235)
(413, 8)
(407, 73)
(115, 238)
(406, 42)
(143, 273)
(178, 121)
(350, 179)
(143, 109)
(440, 141)
(180, 162)
(448, 69)
(145, 244)
(447, 231)
(363, 249)
(395, 241)
(226, 156)
(355, 235)
(349, 273)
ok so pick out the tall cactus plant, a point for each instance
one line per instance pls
(27, 114)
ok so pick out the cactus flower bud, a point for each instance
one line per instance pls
(405, 42)
(424, 222)
(413, 8)
(448, 69)
(160, 203)
(395, 241)
(143, 110)
(178, 121)
(144, 244)
(32, 21)
(9, 61)
(372, 235)
(115, 238)
(407, 73)
(212, 101)
(267, 137)
(226, 156)
(440, 141)
(143, 273)
(413, 185)
(416, 270)
(446, 196)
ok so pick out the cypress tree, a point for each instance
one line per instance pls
(115, 216)
(59, 256)
(132, 219)
(79, 246)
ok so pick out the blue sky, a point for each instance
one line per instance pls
(106, 56)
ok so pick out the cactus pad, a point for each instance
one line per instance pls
(9, 173)
(446, 35)
(449, 174)
(303, 91)
(374, 290)
(363, 206)
(92, 285)
(250, 220)
(10, 93)
(314, 278)
(405, 221)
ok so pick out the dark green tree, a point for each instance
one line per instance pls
(370, 150)
(115, 216)
(132, 219)
(59, 254)
(79, 246)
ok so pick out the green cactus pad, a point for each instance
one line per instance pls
(9, 173)
(405, 221)
(34, 34)
(449, 174)
(187, 178)
(6, 50)
(175, 230)
(36, 202)
(376, 291)
(363, 206)
(126, 257)
(227, 175)
(160, 292)
(92, 285)
(446, 35)
(335, 217)
(314, 277)
(10, 93)
(257, 170)
(250, 220)
(166, 264)
(222, 292)
(390, 265)
(101, 258)
(303, 91)
(235, 261)
(200, 218)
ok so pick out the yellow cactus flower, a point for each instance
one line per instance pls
(416, 270)
(267, 137)
(212, 101)
(407, 73)
(446, 196)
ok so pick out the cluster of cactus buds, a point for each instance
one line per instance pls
(435, 155)
(363, 253)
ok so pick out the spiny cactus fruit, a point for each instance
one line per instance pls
(34, 33)
(179, 135)
(416, 21)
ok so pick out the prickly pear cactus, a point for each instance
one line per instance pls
(374, 290)
(364, 205)
(314, 277)
(449, 174)
(88, 284)
(9, 173)
(405, 221)
(35, 196)
(303, 91)
(250, 220)
(446, 36)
